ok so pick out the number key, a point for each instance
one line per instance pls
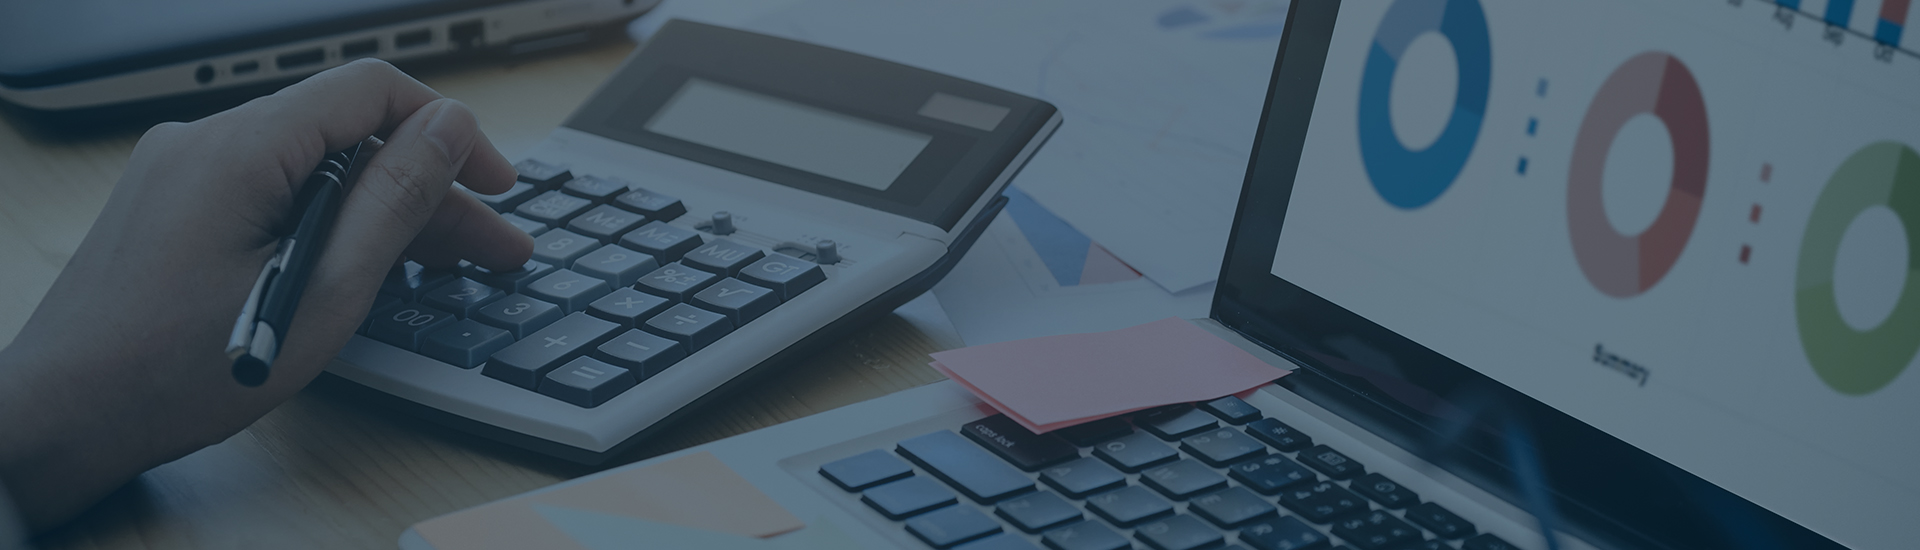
(599, 189)
(404, 325)
(1384, 491)
(462, 296)
(542, 175)
(552, 208)
(510, 281)
(569, 290)
(615, 264)
(561, 247)
(519, 314)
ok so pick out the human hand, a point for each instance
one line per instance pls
(122, 366)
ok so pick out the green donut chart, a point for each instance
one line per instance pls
(1850, 361)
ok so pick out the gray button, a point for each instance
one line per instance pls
(552, 208)
(665, 242)
(598, 188)
(741, 302)
(541, 174)
(723, 256)
(504, 202)
(689, 325)
(404, 325)
(654, 205)
(465, 344)
(462, 296)
(644, 354)
(605, 223)
(409, 281)
(523, 363)
(530, 227)
(615, 263)
(627, 307)
(784, 274)
(586, 382)
(519, 314)
(676, 282)
(380, 303)
(510, 281)
(569, 290)
(560, 247)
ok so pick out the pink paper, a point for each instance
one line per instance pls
(1058, 381)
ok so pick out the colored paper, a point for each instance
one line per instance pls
(1053, 382)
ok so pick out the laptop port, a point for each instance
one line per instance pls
(300, 59)
(204, 74)
(360, 48)
(245, 67)
(412, 39)
(466, 34)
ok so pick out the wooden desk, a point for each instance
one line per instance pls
(327, 469)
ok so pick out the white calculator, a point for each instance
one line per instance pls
(726, 202)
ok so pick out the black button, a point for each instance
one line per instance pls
(1232, 507)
(1269, 474)
(1321, 502)
(1279, 435)
(1331, 462)
(1038, 512)
(1231, 409)
(1375, 530)
(907, 497)
(1013, 442)
(1088, 434)
(1135, 452)
(1083, 477)
(1287, 533)
(1442, 522)
(1221, 447)
(966, 466)
(1183, 479)
(1178, 533)
(1173, 423)
(1384, 491)
(858, 472)
(1486, 541)
(950, 526)
(1129, 505)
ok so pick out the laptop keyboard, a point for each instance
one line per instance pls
(1213, 475)
(613, 295)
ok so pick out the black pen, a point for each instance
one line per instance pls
(268, 313)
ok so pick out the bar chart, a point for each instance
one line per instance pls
(1883, 23)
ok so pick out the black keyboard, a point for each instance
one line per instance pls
(1214, 475)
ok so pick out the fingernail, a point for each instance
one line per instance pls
(449, 131)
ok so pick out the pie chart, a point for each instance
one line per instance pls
(1851, 361)
(1406, 178)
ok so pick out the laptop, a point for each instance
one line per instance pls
(1486, 353)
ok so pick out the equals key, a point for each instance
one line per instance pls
(1017, 445)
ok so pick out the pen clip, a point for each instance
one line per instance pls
(241, 339)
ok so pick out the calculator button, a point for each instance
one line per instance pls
(380, 303)
(739, 301)
(561, 247)
(1183, 479)
(654, 205)
(1331, 462)
(689, 325)
(1269, 474)
(1375, 530)
(665, 242)
(952, 525)
(1085, 535)
(1038, 512)
(605, 223)
(465, 344)
(410, 281)
(1082, 477)
(523, 363)
(1222, 447)
(1232, 507)
(628, 307)
(977, 473)
(676, 282)
(519, 314)
(530, 227)
(1092, 433)
(542, 175)
(908, 497)
(1002, 541)
(1384, 491)
(1178, 533)
(858, 472)
(615, 264)
(1134, 452)
(1486, 541)
(1129, 505)
(786, 274)
(1287, 533)
(599, 189)
(1279, 435)
(1173, 423)
(586, 382)
(1017, 445)
(1442, 522)
(1231, 409)
(568, 289)
(504, 202)
(404, 326)
(724, 256)
(644, 354)
(1321, 502)
(462, 296)
(510, 281)
(552, 207)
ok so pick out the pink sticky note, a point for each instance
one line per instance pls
(1058, 381)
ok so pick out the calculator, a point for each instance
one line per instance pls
(726, 202)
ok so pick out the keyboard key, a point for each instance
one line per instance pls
(462, 296)
(1177, 533)
(1231, 409)
(410, 281)
(654, 205)
(1183, 479)
(561, 247)
(1005, 541)
(788, 275)
(586, 382)
(1321, 502)
(552, 208)
(605, 223)
(568, 289)
(1444, 524)
(1331, 462)
(599, 189)
(526, 361)
(465, 343)
(739, 301)
(1085, 535)
(510, 281)
(1486, 541)
(504, 202)
(1232, 507)
(381, 302)
(1425, 545)
(694, 327)
(907, 497)
(950, 526)
(542, 175)
(665, 242)
(644, 354)
(973, 470)
(1279, 435)
(519, 314)
(628, 307)
(676, 282)
(1375, 530)
(1286, 533)
(406, 325)
(858, 472)
(616, 265)
(1270, 474)
(1082, 477)
(1135, 452)
(1129, 505)
(1088, 434)
(1384, 491)
(1221, 447)
(724, 256)
(1038, 511)
(1013, 442)
(1173, 423)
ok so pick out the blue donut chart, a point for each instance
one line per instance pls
(1411, 179)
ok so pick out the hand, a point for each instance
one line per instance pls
(123, 367)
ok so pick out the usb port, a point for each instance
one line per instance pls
(412, 39)
(360, 48)
(300, 58)
(466, 34)
(245, 67)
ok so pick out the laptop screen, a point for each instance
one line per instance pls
(1688, 225)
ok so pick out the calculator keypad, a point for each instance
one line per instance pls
(614, 295)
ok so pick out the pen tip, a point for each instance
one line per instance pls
(250, 371)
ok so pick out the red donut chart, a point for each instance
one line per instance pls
(1620, 265)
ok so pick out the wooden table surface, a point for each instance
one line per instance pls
(328, 469)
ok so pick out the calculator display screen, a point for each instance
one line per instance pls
(791, 134)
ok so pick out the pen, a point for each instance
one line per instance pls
(268, 313)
